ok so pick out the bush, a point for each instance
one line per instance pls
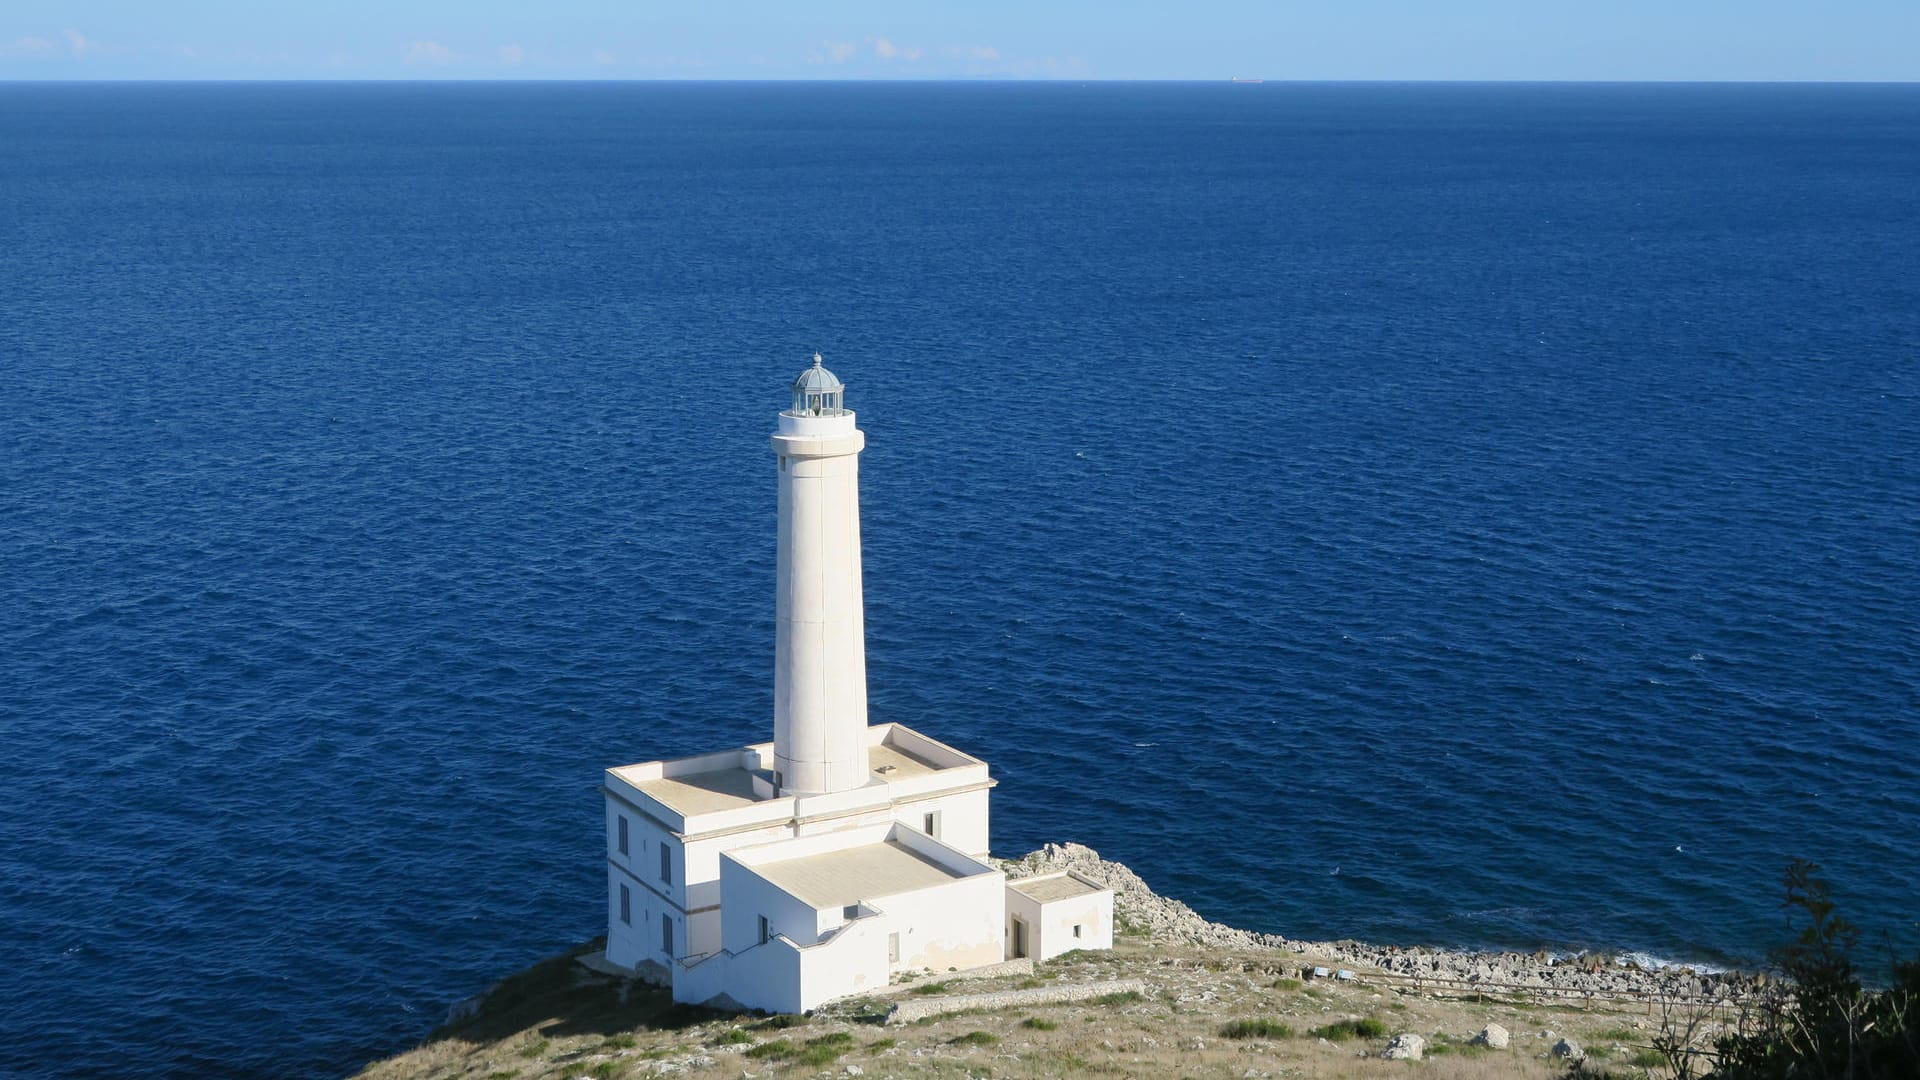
(975, 1038)
(732, 1037)
(930, 988)
(1121, 998)
(1036, 1023)
(1288, 985)
(1342, 1030)
(1817, 1023)
(1256, 1028)
(776, 1049)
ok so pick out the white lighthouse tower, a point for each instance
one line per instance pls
(820, 650)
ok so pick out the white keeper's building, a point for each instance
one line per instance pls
(785, 874)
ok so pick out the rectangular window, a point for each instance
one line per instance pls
(1076, 929)
(666, 933)
(893, 948)
(626, 906)
(850, 912)
(623, 834)
(666, 864)
(933, 825)
(765, 931)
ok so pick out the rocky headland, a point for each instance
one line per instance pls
(1177, 996)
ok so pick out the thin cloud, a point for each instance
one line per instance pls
(79, 45)
(838, 52)
(428, 52)
(887, 50)
(32, 45)
(512, 55)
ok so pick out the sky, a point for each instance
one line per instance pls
(1685, 40)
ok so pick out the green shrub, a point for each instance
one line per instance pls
(1288, 985)
(732, 1037)
(930, 988)
(617, 1042)
(1037, 1023)
(1822, 1022)
(534, 1049)
(1256, 1028)
(775, 1050)
(606, 1070)
(825, 1049)
(975, 1038)
(1121, 998)
(781, 1022)
(1343, 1030)
(881, 1046)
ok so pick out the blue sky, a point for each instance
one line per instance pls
(1871, 40)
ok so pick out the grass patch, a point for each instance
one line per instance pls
(1289, 985)
(1122, 998)
(881, 1046)
(1028, 984)
(1038, 1023)
(732, 1037)
(974, 1038)
(1258, 1027)
(820, 1051)
(929, 988)
(1648, 1059)
(1620, 1035)
(618, 1042)
(781, 1022)
(1343, 1030)
(534, 1049)
(825, 1049)
(606, 1070)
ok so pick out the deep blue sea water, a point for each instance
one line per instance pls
(1476, 515)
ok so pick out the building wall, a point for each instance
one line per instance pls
(956, 925)
(962, 823)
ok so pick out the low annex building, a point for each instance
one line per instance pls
(782, 875)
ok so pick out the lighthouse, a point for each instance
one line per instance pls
(840, 856)
(820, 650)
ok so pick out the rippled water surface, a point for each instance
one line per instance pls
(1444, 514)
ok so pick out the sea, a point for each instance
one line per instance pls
(1466, 515)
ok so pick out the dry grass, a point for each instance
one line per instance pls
(558, 1020)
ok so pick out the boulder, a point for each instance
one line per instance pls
(1493, 1035)
(1405, 1047)
(1568, 1049)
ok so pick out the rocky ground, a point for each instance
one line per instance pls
(1177, 997)
(1168, 919)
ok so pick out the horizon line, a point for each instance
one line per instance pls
(1249, 80)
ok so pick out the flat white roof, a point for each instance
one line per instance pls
(1052, 887)
(890, 762)
(702, 793)
(850, 875)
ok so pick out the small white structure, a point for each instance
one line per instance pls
(1050, 914)
(785, 874)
